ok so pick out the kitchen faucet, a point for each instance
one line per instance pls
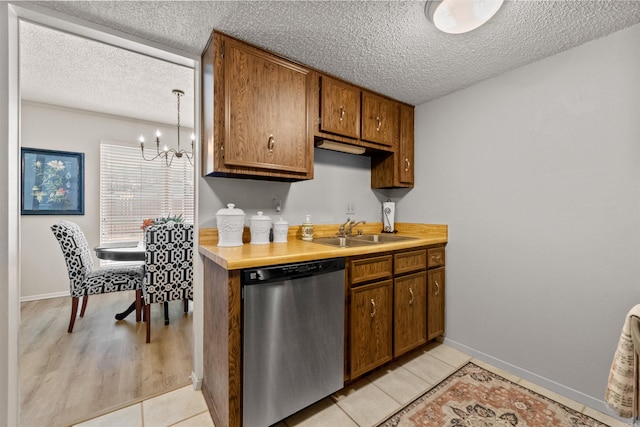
(341, 232)
(350, 225)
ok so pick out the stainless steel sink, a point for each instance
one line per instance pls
(341, 242)
(381, 238)
(362, 240)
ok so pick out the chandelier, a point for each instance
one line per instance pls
(168, 154)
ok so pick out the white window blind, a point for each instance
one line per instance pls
(133, 189)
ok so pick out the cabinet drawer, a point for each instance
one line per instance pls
(408, 262)
(435, 257)
(367, 269)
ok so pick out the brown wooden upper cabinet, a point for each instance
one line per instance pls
(339, 108)
(262, 113)
(405, 151)
(395, 170)
(380, 122)
(255, 113)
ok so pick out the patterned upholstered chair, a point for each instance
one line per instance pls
(84, 280)
(168, 266)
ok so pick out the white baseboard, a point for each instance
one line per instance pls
(45, 296)
(577, 396)
(197, 382)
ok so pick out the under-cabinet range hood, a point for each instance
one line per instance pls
(338, 146)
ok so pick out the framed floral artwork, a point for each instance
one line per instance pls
(52, 182)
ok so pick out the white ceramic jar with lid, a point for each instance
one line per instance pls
(230, 225)
(260, 226)
(280, 231)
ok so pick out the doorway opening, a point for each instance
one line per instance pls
(78, 123)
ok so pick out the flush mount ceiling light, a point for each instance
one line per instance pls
(460, 16)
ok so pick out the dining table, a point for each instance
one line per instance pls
(125, 251)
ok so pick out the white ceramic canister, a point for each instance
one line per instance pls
(260, 226)
(230, 225)
(280, 231)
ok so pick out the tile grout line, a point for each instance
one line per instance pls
(188, 418)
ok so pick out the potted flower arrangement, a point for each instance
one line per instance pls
(161, 220)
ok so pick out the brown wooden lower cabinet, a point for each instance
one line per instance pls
(370, 330)
(409, 312)
(395, 304)
(435, 303)
(398, 297)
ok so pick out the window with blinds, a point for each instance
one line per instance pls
(133, 189)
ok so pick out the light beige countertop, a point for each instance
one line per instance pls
(298, 250)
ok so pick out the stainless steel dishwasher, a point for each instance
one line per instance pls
(293, 345)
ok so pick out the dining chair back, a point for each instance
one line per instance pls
(168, 266)
(84, 280)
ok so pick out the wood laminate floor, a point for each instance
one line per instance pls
(103, 365)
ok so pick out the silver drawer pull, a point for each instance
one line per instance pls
(379, 124)
(412, 296)
(373, 307)
(271, 143)
(341, 113)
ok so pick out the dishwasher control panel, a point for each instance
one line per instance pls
(253, 276)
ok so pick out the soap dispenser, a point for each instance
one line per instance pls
(307, 229)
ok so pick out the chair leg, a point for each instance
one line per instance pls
(147, 316)
(186, 305)
(74, 312)
(166, 312)
(84, 304)
(138, 304)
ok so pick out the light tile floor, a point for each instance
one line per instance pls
(362, 404)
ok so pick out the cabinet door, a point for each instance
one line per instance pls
(435, 303)
(265, 110)
(410, 312)
(339, 108)
(380, 122)
(371, 323)
(405, 152)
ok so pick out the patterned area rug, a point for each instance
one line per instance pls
(475, 397)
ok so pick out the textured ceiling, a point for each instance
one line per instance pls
(62, 69)
(387, 46)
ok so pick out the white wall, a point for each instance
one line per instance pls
(43, 269)
(537, 173)
(340, 178)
